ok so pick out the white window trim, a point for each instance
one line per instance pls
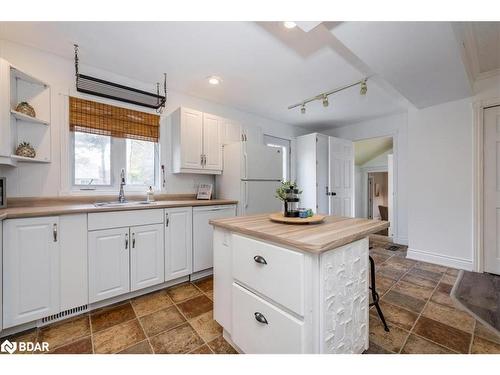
(117, 162)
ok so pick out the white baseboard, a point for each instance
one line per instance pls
(442, 260)
(400, 240)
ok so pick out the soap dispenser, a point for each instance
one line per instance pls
(150, 195)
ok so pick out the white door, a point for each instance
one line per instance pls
(492, 190)
(203, 257)
(341, 177)
(147, 263)
(109, 260)
(178, 242)
(259, 197)
(31, 255)
(191, 138)
(322, 199)
(212, 145)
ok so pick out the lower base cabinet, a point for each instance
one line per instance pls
(178, 242)
(146, 256)
(109, 262)
(35, 284)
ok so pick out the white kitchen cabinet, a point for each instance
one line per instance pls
(196, 142)
(31, 256)
(232, 132)
(203, 233)
(109, 262)
(212, 145)
(178, 242)
(146, 256)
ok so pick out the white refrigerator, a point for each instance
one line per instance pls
(251, 174)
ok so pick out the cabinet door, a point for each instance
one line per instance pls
(147, 265)
(108, 263)
(31, 256)
(231, 132)
(191, 138)
(212, 146)
(203, 257)
(178, 242)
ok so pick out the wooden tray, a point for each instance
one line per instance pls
(278, 217)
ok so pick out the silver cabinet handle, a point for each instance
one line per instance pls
(259, 259)
(167, 220)
(54, 232)
(126, 241)
(260, 318)
(133, 240)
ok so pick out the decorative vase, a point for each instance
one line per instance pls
(26, 108)
(25, 150)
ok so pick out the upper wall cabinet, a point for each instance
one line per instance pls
(232, 131)
(196, 142)
(17, 86)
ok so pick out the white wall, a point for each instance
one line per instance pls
(51, 179)
(395, 126)
(440, 182)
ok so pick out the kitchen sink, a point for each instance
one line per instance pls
(123, 204)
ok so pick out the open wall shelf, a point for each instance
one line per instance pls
(22, 117)
(16, 86)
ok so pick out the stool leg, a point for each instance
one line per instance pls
(375, 295)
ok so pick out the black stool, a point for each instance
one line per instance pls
(375, 296)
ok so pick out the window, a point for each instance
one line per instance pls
(107, 139)
(141, 162)
(92, 162)
(98, 160)
(284, 144)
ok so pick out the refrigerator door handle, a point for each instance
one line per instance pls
(246, 194)
(245, 165)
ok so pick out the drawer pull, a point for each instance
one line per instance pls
(259, 259)
(260, 318)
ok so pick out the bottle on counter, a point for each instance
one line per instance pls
(150, 195)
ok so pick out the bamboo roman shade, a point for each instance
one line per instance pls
(97, 118)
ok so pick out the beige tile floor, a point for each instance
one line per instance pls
(415, 301)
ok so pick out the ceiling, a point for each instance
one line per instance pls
(481, 42)
(368, 149)
(266, 67)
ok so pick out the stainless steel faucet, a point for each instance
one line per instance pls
(121, 195)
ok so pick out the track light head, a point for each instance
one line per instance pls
(303, 109)
(324, 100)
(363, 88)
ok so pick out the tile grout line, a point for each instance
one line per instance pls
(142, 327)
(472, 336)
(420, 314)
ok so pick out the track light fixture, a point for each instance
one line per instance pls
(324, 96)
(325, 100)
(363, 88)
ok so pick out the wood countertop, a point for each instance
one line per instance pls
(334, 232)
(51, 207)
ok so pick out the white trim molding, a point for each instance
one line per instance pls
(478, 184)
(443, 260)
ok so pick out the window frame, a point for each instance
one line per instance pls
(118, 155)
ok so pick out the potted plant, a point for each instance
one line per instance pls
(289, 193)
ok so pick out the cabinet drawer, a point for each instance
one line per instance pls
(282, 334)
(120, 219)
(279, 276)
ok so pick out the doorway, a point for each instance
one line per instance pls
(373, 181)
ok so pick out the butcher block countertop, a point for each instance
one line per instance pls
(334, 231)
(34, 207)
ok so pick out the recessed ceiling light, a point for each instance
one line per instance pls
(214, 80)
(289, 24)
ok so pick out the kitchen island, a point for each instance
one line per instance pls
(281, 288)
